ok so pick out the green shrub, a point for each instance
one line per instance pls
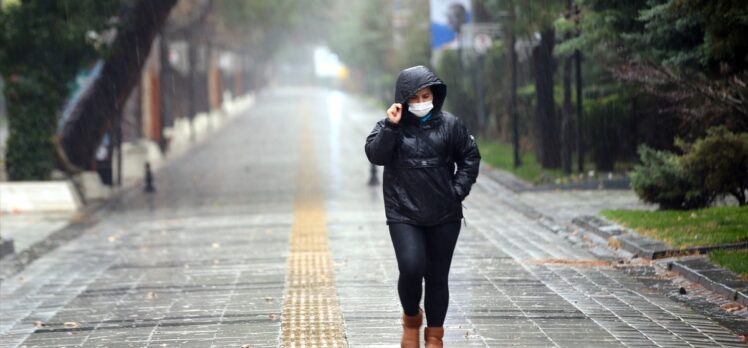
(44, 46)
(30, 152)
(461, 99)
(662, 179)
(720, 162)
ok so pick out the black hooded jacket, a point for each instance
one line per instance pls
(421, 185)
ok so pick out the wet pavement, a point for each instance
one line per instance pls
(28, 229)
(267, 235)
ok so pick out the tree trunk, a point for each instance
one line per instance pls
(567, 114)
(120, 73)
(580, 142)
(546, 124)
(633, 139)
(566, 120)
(512, 106)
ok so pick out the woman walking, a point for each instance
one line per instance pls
(430, 163)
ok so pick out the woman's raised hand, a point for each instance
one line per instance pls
(395, 112)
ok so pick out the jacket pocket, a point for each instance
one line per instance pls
(426, 194)
(455, 195)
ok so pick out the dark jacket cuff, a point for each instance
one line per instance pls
(390, 124)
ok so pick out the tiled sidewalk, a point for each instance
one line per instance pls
(204, 263)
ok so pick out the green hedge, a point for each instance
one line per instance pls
(720, 161)
(30, 152)
(714, 166)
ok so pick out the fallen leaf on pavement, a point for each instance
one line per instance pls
(79, 217)
(613, 243)
(731, 307)
(569, 262)
(639, 261)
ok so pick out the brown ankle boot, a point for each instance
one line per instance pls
(411, 331)
(434, 336)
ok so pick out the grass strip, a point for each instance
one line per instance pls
(681, 229)
(499, 155)
(734, 260)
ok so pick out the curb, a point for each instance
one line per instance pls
(701, 271)
(644, 247)
(15, 263)
(505, 178)
(59, 195)
(698, 270)
(6, 247)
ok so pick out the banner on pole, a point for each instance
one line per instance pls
(447, 18)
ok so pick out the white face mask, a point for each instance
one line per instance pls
(420, 109)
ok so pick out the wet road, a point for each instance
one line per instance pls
(268, 235)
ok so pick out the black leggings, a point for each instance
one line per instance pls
(424, 252)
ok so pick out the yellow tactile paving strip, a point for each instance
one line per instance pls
(311, 311)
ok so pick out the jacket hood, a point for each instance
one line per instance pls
(411, 80)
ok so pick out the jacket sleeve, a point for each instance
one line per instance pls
(467, 158)
(382, 142)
